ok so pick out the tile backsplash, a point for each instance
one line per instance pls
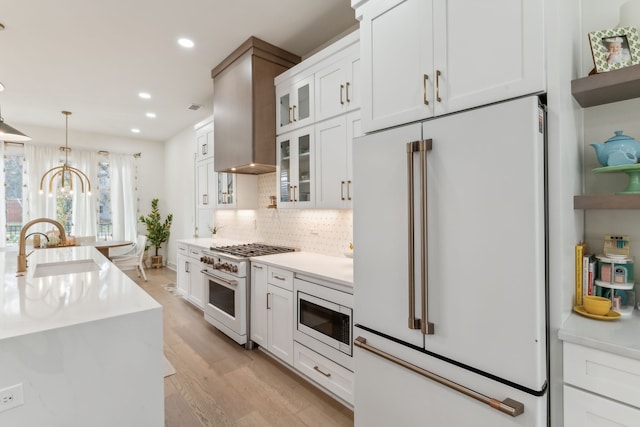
(324, 231)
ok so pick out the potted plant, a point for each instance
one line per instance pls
(157, 231)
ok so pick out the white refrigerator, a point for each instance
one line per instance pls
(450, 271)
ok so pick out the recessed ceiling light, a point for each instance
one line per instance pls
(135, 130)
(151, 115)
(185, 43)
(144, 95)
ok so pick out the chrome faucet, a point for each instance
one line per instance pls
(22, 253)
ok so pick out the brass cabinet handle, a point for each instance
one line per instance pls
(341, 89)
(294, 114)
(328, 375)
(295, 187)
(424, 89)
(259, 267)
(508, 406)
(291, 193)
(186, 267)
(348, 190)
(204, 199)
(348, 100)
(342, 190)
(438, 73)
(204, 149)
(279, 277)
(290, 110)
(268, 306)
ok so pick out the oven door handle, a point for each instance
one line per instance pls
(225, 281)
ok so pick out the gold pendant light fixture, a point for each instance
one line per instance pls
(66, 173)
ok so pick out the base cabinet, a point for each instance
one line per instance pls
(190, 282)
(272, 310)
(601, 389)
(587, 409)
(324, 372)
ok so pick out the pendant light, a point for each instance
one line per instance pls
(8, 133)
(66, 173)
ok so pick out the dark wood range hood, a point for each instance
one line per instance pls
(244, 107)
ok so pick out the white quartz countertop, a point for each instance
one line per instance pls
(335, 269)
(621, 337)
(31, 304)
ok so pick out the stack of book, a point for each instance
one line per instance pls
(585, 272)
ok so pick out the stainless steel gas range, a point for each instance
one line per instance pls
(228, 288)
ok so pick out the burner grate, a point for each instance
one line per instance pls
(252, 249)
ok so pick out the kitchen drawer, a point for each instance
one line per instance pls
(604, 373)
(195, 252)
(280, 278)
(183, 249)
(587, 409)
(324, 372)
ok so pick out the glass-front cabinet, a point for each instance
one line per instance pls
(226, 190)
(295, 169)
(295, 105)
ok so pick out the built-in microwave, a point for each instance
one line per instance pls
(324, 321)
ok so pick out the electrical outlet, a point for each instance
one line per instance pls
(11, 397)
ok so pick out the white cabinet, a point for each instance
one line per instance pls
(294, 104)
(422, 58)
(236, 191)
(295, 169)
(333, 155)
(205, 185)
(272, 310)
(600, 388)
(337, 87)
(190, 282)
(204, 142)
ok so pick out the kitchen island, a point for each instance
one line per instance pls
(83, 341)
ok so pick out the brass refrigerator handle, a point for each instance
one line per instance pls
(424, 89)
(427, 327)
(438, 73)
(507, 406)
(413, 323)
(341, 89)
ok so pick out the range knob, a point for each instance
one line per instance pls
(217, 266)
(234, 269)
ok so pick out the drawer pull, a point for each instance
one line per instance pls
(275, 276)
(315, 368)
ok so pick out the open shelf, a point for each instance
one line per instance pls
(604, 88)
(607, 201)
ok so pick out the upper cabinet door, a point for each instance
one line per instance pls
(424, 58)
(397, 63)
(204, 142)
(295, 105)
(482, 57)
(337, 85)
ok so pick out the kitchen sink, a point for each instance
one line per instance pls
(65, 267)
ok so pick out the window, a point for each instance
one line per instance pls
(13, 174)
(105, 231)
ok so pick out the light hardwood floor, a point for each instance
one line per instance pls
(219, 383)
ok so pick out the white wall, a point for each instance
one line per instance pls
(179, 172)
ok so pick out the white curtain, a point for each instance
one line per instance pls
(38, 160)
(124, 206)
(84, 206)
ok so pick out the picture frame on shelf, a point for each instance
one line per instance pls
(614, 48)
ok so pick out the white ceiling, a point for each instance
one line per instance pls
(92, 57)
